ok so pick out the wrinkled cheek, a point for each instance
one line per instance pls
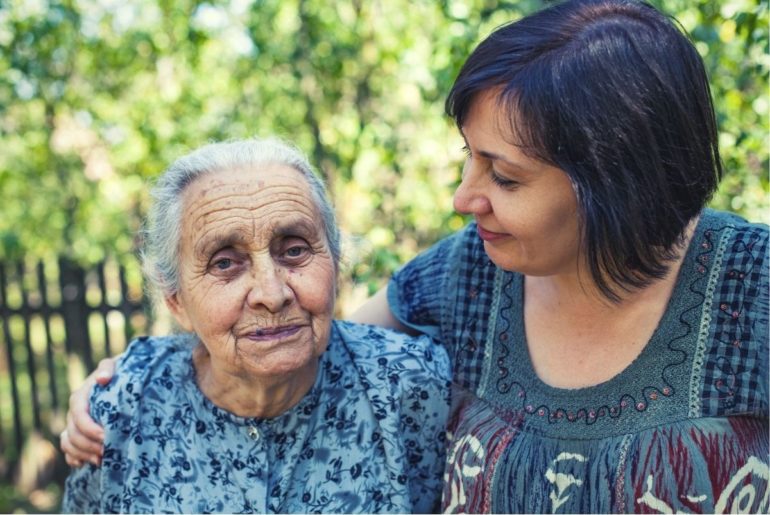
(221, 316)
(316, 296)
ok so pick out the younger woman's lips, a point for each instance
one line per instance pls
(273, 333)
(489, 235)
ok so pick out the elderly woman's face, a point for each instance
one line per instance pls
(257, 280)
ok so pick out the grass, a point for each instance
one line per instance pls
(43, 500)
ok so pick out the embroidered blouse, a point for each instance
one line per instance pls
(369, 436)
(683, 428)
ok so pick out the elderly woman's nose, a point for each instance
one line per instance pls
(269, 290)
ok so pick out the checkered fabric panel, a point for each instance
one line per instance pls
(449, 288)
(736, 361)
(418, 289)
(468, 324)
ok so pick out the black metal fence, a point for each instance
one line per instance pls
(57, 320)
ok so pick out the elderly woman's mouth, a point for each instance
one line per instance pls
(273, 333)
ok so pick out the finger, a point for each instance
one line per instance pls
(72, 455)
(91, 446)
(84, 429)
(79, 421)
(73, 462)
(104, 371)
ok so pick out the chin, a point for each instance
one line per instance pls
(501, 259)
(283, 364)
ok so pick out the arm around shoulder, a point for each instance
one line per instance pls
(376, 311)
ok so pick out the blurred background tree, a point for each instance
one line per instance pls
(98, 96)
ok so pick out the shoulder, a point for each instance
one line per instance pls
(739, 250)
(150, 349)
(462, 246)
(149, 364)
(423, 292)
(372, 347)
(458, 248)
(468, 241)
(735, 339)
(149, 355)
(740, 235)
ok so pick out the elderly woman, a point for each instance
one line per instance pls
(265, 404)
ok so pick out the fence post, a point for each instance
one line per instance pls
(72, 280)
(26, 314)
(11, 362)
(45, 310)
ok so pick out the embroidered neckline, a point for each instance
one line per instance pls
(669, 351)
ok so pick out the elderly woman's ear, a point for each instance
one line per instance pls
(178, 311)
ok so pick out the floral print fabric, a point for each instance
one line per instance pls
(369, 436)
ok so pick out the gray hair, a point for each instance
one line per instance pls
(162, 231)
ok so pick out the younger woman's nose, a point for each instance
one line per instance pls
(470, 198)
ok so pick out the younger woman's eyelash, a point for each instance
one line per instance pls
(496, 178)
(503, 183)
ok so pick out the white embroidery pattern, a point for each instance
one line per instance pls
(469, 466)
(562, 481)
(743, 501)
(743, 496)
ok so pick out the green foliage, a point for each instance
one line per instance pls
(732, 37)
(98, 96)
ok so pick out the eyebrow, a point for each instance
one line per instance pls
(291, 227)
(219, 241)
(497, 157)
(298, 225)
(493, 156)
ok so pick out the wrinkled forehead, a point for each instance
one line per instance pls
(258, 176)
(256, 198)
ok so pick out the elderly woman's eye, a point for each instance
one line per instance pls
(296, 251)
(223, 264)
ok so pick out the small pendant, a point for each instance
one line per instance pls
(253, 433)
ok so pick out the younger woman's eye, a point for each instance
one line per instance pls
(466, 150)
(502, 181)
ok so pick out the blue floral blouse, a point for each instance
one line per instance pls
(368, 437)
(684, 428)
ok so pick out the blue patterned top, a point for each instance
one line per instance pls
(683, 428)
(368, 437)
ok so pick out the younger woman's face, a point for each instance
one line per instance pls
(525, 209)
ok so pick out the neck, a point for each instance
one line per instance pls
(248, 396)
(577, 338)
(576, 292)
